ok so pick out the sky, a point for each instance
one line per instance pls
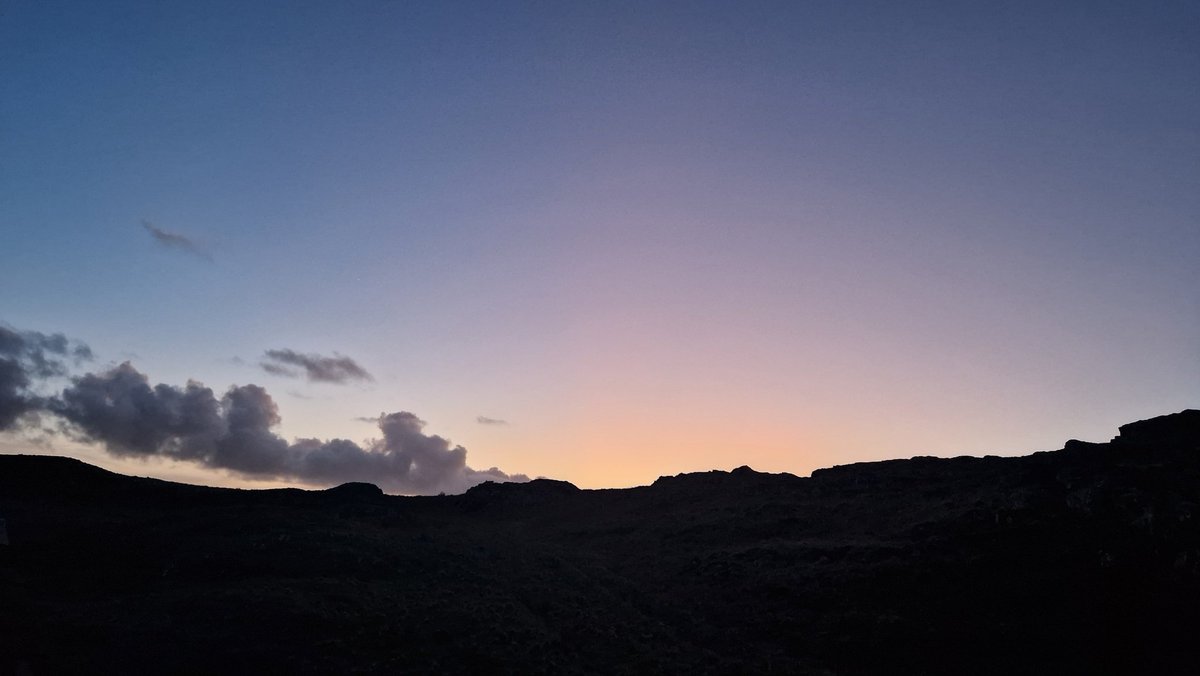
(606, 241)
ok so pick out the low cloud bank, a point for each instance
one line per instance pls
(120, 409)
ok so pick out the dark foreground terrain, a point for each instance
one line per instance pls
(1083, 560)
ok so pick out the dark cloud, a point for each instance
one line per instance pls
(172, 240)
(15, 400)
(120, 409)
(317, 368)
(27, 357)
(484, 420)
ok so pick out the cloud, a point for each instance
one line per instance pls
(15, 401)
(316, 368)
(173, 240)
(484, 420)
(277, 370)
(26, 357)
(122, 410)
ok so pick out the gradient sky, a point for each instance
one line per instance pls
(652, 237)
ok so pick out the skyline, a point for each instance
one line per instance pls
(648, 239)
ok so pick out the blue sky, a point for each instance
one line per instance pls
(653, 237)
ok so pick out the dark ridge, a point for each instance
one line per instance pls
(21, 469)
(355, 490)
(1176, 432)
(75, 479)
(534, 487)
(1084, 560)
(506, 495)
(739, 478)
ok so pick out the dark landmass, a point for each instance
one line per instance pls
(1084, 560)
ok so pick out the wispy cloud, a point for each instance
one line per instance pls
(338, 369)
(484, 420)
(174, 240)
(277, 370)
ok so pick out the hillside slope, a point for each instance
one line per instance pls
(1082, 560)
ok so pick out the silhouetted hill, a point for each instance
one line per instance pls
(1079, 561)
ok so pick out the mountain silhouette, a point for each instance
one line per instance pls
(1084, 560)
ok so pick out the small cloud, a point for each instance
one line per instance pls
(173, 240)
(277, 370)
(484, 420)
(337, 369)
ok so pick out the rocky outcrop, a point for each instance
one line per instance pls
(1179, 432)
(355, 490)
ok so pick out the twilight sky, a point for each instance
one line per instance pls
(606, 241)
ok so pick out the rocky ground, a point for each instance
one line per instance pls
(1084, 560)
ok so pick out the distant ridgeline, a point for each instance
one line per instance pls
(1084, 560)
